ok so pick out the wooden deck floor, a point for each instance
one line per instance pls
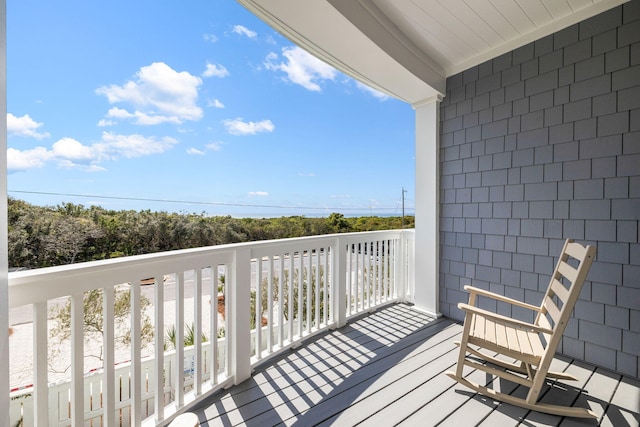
(387, 369)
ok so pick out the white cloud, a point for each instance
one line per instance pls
(240, 127)
(158, 95)
(69, 148)
(371, 91)
(105, 123)
(212, 38)
(214, 70)
(244, 31)
(214, 146)
(215, 103)
(115, 146)
(195, 151)
(68, 153)
(258, 194)
(68, 164)
(310, 174)
(301, 68)
(140, 117)
(27, 159)
(24, 126)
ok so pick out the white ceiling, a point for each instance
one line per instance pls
(407, 48)
(459, 34)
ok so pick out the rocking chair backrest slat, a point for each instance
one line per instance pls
(565, 286)
(567, 271)
(575, 250)
(552, 309)
(559, 289)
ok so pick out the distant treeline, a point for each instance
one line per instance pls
(67, 233)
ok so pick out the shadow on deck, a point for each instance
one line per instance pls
(388, 368)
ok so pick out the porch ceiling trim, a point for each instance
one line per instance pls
(323, 31)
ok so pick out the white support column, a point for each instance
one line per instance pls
(339, 283)
(4, 268)
(427, 253)
(238, 326)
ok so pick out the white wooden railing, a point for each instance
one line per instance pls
(294, 288)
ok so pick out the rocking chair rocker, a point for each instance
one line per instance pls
(532, 345)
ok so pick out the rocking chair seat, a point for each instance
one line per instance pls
(516, 342)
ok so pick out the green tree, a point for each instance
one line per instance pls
(70, 236)
(337, 223)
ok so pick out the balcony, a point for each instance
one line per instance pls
(337, 343)
(292, 289)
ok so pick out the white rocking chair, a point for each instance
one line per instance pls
(532, 345)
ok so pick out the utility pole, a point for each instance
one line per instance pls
(403, 191)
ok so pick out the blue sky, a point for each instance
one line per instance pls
(200, 102)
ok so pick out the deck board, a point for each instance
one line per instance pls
(387, 368)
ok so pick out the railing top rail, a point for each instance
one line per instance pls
(26, 287)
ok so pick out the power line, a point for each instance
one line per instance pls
(245, 205)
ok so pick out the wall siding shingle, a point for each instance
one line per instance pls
(547, 147)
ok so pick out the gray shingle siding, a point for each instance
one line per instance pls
(540, 145)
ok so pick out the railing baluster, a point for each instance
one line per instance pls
(77, 359)
(388, 264)
(300, 293)
(40, 354)
(179, 384)
(108, 378)
(281, 297)
(197, 331)
(361, 254)
(309, 290)
(349, 284)
(365, 272)
(136, 366)
(258, 308)
(327, 275)
(398, 270)
(318, 304)
(380, 268)
(290, 297)
(370, 276)
(393, 271)
(227, 321)
(373, 274)
(213, 360)
(270, 306)
(159, 402)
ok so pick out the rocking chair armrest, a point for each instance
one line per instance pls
(498, 297)
(503, 319)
